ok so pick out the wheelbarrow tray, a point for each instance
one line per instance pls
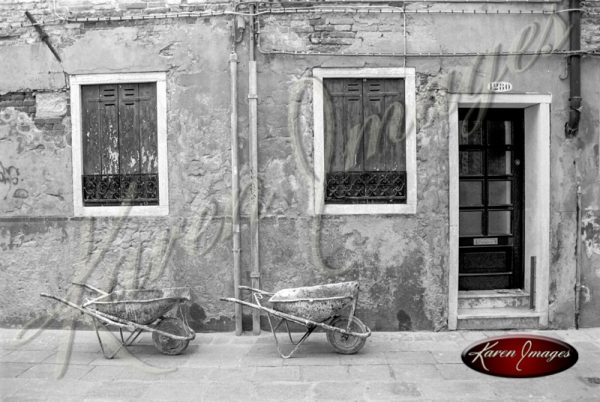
(140, 306)
(315, 303)
(137, 310)
(314, 307)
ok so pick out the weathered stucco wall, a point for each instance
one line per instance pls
(43, 246)
(588, 174)
(408, 282)
(401, 261)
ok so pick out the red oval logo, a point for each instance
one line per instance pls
(520, 356)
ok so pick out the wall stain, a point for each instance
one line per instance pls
(590, 232)
(19, 126)
(404, 321)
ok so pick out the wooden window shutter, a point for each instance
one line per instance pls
(119, 144)
(365, 144)
(343, 124)
(148, 134)
(384, 138)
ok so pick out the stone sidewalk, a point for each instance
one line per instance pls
(223, 367)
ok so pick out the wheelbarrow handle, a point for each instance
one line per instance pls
(86, 311)
(299, 320)
(90, 287)
(256, 290)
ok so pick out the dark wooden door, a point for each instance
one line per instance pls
(490, 198)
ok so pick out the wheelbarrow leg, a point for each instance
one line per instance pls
(131, 337)
(106, 355)
(122, 344)
(304, 337)
(287, 327)
(297, 345)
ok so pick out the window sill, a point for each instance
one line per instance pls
(368, 209)
(119, 211)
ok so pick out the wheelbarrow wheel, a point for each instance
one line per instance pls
(167, 345)
(347, 344)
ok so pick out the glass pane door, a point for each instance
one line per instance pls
(490, 198)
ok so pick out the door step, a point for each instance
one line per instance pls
(497, 298)
(496, 309)
(498, 318)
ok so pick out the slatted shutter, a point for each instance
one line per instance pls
(365, 144)
(120, 164)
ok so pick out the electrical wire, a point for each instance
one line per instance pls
(428, 54)
(290, 10)
(338, 9)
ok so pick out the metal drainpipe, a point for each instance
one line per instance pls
(572, 127)
(574, 62)
(253, 149)
(578, 259)
(235, 190)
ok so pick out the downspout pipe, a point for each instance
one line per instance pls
(235, 187)
(574, 66)
(253, 160)
(578, 261)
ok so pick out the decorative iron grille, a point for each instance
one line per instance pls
(120, 189)
(380, 187)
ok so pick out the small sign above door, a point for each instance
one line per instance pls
(487, 241)
(500, 86)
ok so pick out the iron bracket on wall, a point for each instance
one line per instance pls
(43, 35)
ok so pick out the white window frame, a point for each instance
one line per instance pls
(160, 78)
(410, 207)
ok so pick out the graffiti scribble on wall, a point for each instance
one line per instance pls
(9, 179)
(590, 232)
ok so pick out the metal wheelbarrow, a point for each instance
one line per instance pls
(139, 310)
(314, 307)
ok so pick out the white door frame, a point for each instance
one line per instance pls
(537, 190)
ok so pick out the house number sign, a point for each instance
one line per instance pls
(499, 86)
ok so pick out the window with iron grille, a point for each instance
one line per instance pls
(119, 144)
(365, 152)
(365, 140)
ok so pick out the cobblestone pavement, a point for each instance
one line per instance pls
(223, 367)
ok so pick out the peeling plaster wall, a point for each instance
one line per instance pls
(35, 158)
(588, 174)
(40, 238)
(401, 261)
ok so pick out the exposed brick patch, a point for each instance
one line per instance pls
(324, 28)
(133, 6)
(342, 27)
(15, 28)
(51, 127)
(329, 32)
(156, 10)
(590, 26)
(21, 101)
